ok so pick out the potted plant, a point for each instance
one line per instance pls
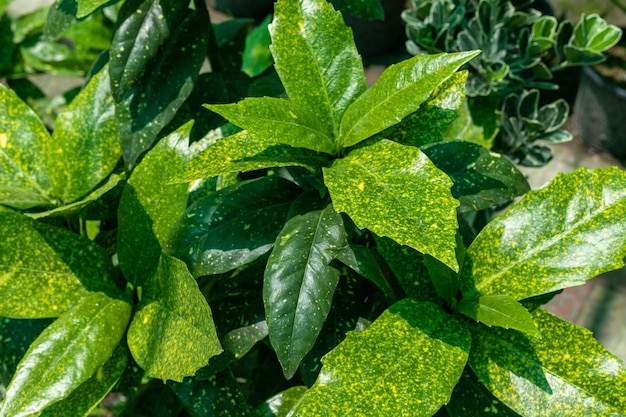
(522, 48)
(304, 259)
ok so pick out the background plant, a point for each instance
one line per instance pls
(312, 263)
(522, 48)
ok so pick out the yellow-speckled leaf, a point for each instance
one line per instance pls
(44, 269)
(283, 404)
(278, 121)
(406, 363)
(556, 237)
(566, 372)
(173, 334)
(395, 191)
(24, 180)
(66, 354)
(399, 91)
(150, 206)
(316, 59)
(84, 148)
(242, 152)
(86, 397)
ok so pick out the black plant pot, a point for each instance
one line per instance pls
(600, 112)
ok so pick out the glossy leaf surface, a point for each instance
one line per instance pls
(410, 358)
(389, 189)
(84, 148)
(299, 283)
(283, 404)
(310, 37)
(150, 206)
(86, 7)
(66, 354)
(572, 231)
(565, 372)
(399, 91)
(232, 227)
(24, 179)
(45, 270)
(160, 333)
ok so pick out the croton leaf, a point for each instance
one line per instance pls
(45, 270)
(310, 37)
(410, 358)
(556, 237)
(399, 91)
(160, 332)
(279, 121)
(299, 283)
(153, 101)
(389, 188)
(66, 354)
(150, 206)
(243, 152)
(565, 372)
(232, 227)
(87, 396)
(145, 28)
(24, 179)
(283, 404)
(84, 148)
(482, 179)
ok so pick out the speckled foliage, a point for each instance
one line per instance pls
(310, 256)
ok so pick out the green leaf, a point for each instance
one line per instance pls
(66, 354)
(257, 56)
(242, 152)
(84, 148)
(389, 188)
(410, 358)
(220, 395)
(445, 280)
(24, 179)
(399, 91)
(150, 206)
(317, 60)
(61, 15)
(153, 100)
(299, 283)
(160, 333)
(87, 396)
(499, 310)
(240, 341)
(87, 7)
(146, 27)
(482, 179)
(559, 236)
(45, 270)
(278, 121)
(232, 227)
(283, 404)
(478, 121)
(566, 372)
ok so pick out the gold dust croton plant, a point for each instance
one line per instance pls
(301, 251)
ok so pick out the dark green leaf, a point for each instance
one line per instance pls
(499, 310)
(232, 227)
(61, 15)
(87, 7)
(559, 236)
(240, 341)
(389, 189)
(399, 91)
(364, 9)
(410, 358)
(317, 60)
(482, 179)
(87, 396)
(299, 283)
(283, 404)
(150, 206)
(66, 354)
(84, 148)
(160, 333)
(478, 121)
(278, 121)
(445, 280)
(45, 270)
(24, 179)
(154, 399)
(565, 372)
